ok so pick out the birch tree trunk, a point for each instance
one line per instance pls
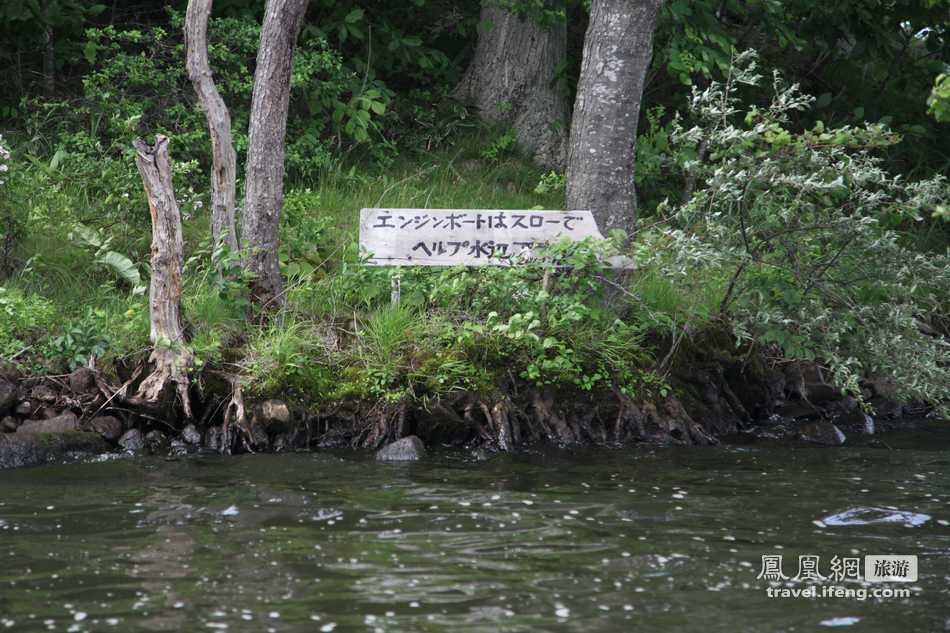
(224, 158)
(512, 80)
(170, 357)
(264, 181)
(618, 49)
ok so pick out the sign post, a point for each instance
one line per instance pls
(456, 237)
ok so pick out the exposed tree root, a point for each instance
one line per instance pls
(236, 427)
(171, 368)
(387, 423)
(558, 429)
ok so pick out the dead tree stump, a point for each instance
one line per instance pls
(170, 357)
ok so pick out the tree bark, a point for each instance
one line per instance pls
(170, 356)
(224, 158)
(49, 52)
(617, 51)
(512, 80)
(264, 182)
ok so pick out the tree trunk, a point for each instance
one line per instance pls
(617, 53)
(512, 80)
(170, 356)
(49, 53)
(224, 159)
(264, 183)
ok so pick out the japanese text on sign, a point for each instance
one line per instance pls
(452, 237)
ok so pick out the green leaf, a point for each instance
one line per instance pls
(89, 51)
(123, 267)
(87, 236)
(57, 159)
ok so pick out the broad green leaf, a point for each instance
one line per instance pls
(123, 267)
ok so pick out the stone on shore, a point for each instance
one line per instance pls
(408, 449)
(64, 423)
(156, 442)
(821, 432)
(82, 382)
(43, 393)
(107, 426)
(190, 435)
(33, 449)
(133, 440)
(7, 395)
(272, 415)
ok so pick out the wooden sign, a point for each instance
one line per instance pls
(466, 237)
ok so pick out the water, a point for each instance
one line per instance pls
(651, 540)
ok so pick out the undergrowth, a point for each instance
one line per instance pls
(564, 320)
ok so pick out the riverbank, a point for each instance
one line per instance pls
(50, 419)
(698, 342)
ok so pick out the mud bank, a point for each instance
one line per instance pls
(714, 398)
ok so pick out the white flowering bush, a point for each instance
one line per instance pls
(11, 224)
(810, 239)
(4, 160)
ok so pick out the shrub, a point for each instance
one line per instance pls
(23, 319)
(12, 221)
(809, 233)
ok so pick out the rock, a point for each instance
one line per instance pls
(132, 440)
(9, 424)
(24, 409)
(856, 421)
(178, 448)
(190, 435)
(156, 442)
(821, 432)
(797, 409)
(214, 438)
(289, 441)
(31, 449)
(43, 393)
(64, 423)
(259, 438)
(107, 426)
(819, 393)
(282, 442)
(272, 415)
(481, 455)
(82, 382)
(408, 449)
(8, 395)
(887, 409)
(849, 405)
